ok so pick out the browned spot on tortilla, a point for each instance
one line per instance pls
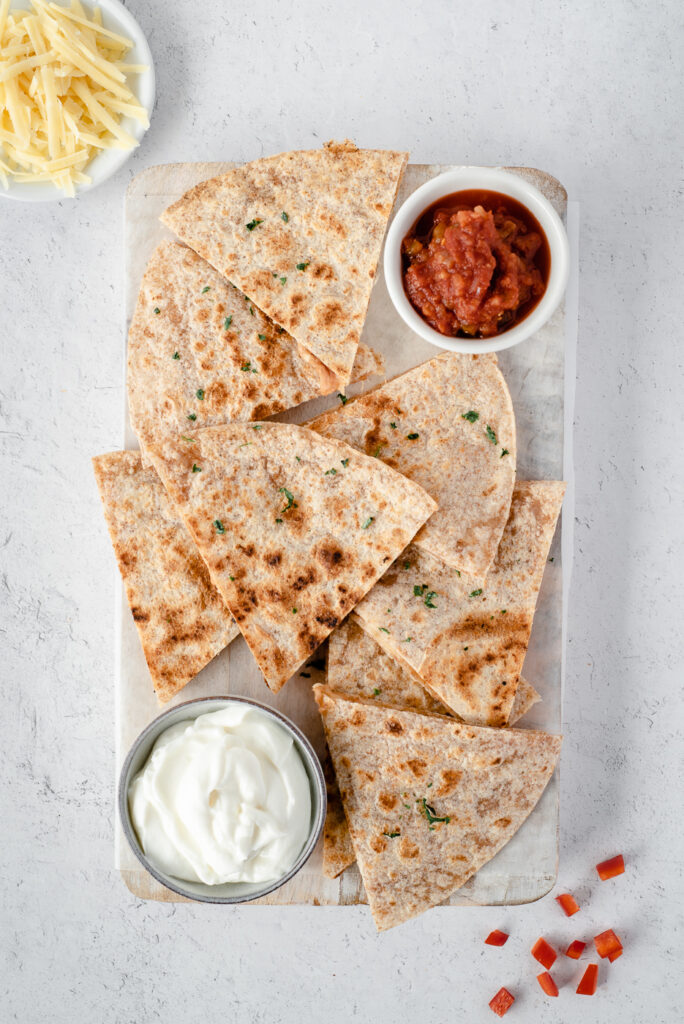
(327, 619)
(139, 615)
(322, 272)
(330, 556)
(378, 844)
(502, 823)
(417, 767)
(305, 579)
(450, 779)
(328, 315)
(394, 726)
(387, 801)
(407, 849)
(273, 558)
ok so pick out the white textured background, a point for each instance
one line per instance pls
(590, 91)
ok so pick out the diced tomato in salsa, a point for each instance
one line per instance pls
(575, 949)
(502, 1002)
(547, 983)
(611, 868)
(496, 938)
(614, 955)
(607, 943)
(567, 903)
(542, 952)
(587, 985)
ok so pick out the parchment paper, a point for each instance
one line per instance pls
(542, 397)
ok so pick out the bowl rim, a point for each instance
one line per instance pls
(499, 180)
(121, 19)
(175, 885)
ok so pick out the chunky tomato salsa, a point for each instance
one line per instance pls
(475, 263)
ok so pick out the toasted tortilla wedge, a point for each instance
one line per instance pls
(449, 425)
(294, 528)
(468, 638)
(428, 800)
(180, 617)
(300, 233)
(200, 353)
(358, 667)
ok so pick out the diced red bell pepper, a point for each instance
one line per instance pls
(542, 952)
(567, 903)
(587, 985)
(502, 1002)
(547, 983)
(575, 949)
(613, 956)
(607, 943)
(612, 867)
(496, 938)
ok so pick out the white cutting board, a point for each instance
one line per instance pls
(536, 374)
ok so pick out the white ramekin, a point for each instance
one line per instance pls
(494, 180)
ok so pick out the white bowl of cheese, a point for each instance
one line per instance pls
(75, 97)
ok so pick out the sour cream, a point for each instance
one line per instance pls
(224, 798)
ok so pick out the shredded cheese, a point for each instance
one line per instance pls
(63, 93)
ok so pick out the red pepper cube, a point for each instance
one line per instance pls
(568, 904)
(496, 938)
(612, 867)
(587, 985)
(575, 949)
(607, 943)
(502, 1002)
(547, 983)
(613, 956)
(542, 952)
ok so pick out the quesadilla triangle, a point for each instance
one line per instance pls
(449, 425)
(300, 233)
(180, 617)
(294, 528)
(200, 353)
(428, 800)
(357, 667)
(466, 639)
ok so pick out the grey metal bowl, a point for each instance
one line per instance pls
(228, 892)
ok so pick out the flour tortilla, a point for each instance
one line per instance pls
(358, 667)
(303, 523)
(469, 648)
(325, 210)
(179, 349)
(396, 769)
(181, 620)
(420, 424)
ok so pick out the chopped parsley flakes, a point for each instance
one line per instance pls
(412, 437)
(391, 835)
(383, 630)
(192, 416)
(490, 434)
(253, 223)
(504, 451)
(261, 337)
(291, 503)
(345, 462)
(330, 472)
(284, 216)
(368, 522)
(157, 310)
(302, 266)
(200, 394)
(196, 468)
(376, 691)
(220, 528)
(248, 368)
(471, 416)
(343, 398)
(430, 813)
(207, 288)
(175, 355)
(476, 593)
(227, 322)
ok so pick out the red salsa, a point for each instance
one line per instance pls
(475, 264)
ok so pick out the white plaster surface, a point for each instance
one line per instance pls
(588, 91)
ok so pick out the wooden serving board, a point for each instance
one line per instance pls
(535, 371)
